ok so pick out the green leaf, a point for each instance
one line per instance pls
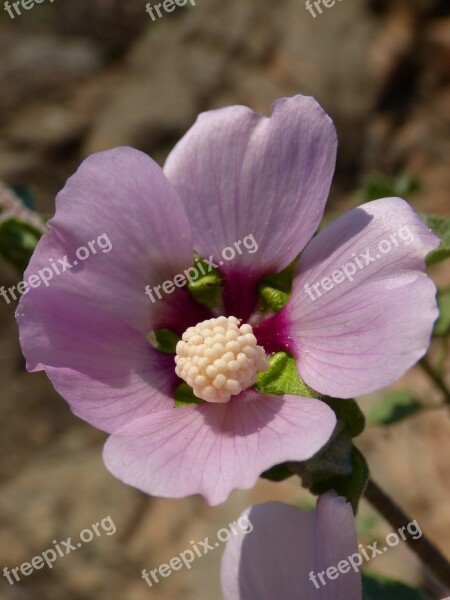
(275, 290)
(442, 325)
(18, 241)
(441, 227)
(164, 340)
(394, 407)
(205, 288)
(184, 396)
(350, 486)
(379, 587)
(383, 186)
(349, 412)
(282, 377)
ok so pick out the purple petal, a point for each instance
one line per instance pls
(124, 194)
(336, 541)
(278, 547)
(362, 335)
(212, 449)
(107, 371)
(241, 174)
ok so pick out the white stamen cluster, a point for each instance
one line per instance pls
(219, 359)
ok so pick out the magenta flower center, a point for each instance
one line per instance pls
(219, 358)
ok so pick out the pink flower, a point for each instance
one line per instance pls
(290, 554)
(234, 174)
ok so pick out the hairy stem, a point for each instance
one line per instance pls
(422, 547)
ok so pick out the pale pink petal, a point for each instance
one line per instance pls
(108, 372)
(212, 449)
(123, 194)
(279, 550)
(363, 334)
(241, 174)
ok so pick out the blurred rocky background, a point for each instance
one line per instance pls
(80, 76)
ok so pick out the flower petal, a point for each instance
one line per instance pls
(124, 194)
(241, 174)
(278, 547)
(336, 540)
(369, 328)
(107, 371)
(212, 449)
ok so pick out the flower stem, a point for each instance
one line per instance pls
(422, 547)
(436, 378)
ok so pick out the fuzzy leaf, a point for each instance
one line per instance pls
(382, 186)
(441, 227)
(394, 407)
(334, 460)
(349, 413)
(350, 486)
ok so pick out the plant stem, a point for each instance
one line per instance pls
(422, 547)
(436, 378)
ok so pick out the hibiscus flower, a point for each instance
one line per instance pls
(234, 174)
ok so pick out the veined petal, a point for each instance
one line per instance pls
(214, 448)
(241, 174)
(280, 549)
(362, 333)
(123, 194)
(106, 370)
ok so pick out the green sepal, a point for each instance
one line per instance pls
(380, 587)
(205, 289)
(274, 290)
(164, 340)
(278, 473)
(282, 377)
(350, 486)
(441, 227)
(349, 413)
(395, 406)
(335, 459)
(18, 241)
(184, 396)
(332, 461)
